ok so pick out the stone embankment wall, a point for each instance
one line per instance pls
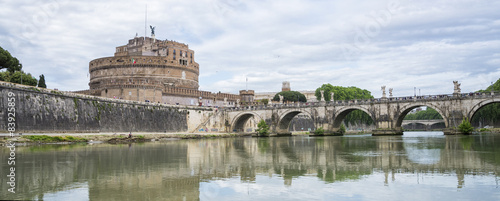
(50, 111)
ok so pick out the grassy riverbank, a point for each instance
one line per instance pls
(107, 138)
(115, 138)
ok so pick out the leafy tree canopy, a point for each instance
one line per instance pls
(342, 93)
(347, 93)
(493, 87)
(292, 96)
(9, 62)
(488, 114)
(427, 114)
(27, 79)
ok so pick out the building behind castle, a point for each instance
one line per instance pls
(284, 87)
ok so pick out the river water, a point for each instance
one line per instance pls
(415, 166)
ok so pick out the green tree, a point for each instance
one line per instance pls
(342, 93)
(342, 129)
(264, 101)
(493, 87)
(5, 76)
(319, 131)
(292, 96)
(427, 114)
(347, 93)
(488, 114)
(41, 82)
(9, 62)
(27, 79)
(262, 128)
(465, 127)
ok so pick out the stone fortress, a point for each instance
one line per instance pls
(159, 71)
(162, 71)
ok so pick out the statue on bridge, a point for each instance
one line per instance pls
(281, 98)
(390, 92)
(331, 99)
(383, 92)
(456, 89)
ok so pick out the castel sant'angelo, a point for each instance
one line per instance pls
(160, 71)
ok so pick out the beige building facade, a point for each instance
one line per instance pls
(310, 96)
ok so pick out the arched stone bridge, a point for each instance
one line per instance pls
(387, 113)
(423, 122)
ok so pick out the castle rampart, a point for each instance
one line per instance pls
(147, 69)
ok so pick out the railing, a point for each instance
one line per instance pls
(366, 101)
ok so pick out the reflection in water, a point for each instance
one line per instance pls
(290, 168)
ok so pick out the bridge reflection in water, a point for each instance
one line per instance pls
(203, 169)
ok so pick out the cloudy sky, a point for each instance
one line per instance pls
(398, 43)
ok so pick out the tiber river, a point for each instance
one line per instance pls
(416, 166)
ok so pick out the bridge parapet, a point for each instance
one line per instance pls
(387, 113)
(404, 99)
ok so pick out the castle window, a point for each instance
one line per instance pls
(174, 54)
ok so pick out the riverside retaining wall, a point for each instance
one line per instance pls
(45, 110)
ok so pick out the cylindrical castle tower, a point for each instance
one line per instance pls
(143, 69)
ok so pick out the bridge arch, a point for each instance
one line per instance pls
(481, 104)
(238, 124)
(406, 109)
(340, 115)
(415, 125)
(287, 117)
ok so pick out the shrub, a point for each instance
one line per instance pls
(262, 128)
(465, 127)
(342, 129)
(319, 131)
(484, 130)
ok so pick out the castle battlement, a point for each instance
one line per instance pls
(147, 69)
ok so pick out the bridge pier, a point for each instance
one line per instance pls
(385, 127)
(451, 131)
(387, 131)
(330, 132)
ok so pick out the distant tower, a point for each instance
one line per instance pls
(247, 96)
(286, 86)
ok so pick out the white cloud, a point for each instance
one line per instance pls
(407, 44)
